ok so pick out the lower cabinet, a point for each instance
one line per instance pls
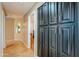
(53, 41)
(66, 39)
(40, 41)
(43, 39)
(46, 41)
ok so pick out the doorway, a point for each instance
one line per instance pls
(32, 32)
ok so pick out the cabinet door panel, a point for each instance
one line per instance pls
(53, 41)
(66, 34)
(43, 41)
(45, 13)
(40, 41)
(46, 41)
(52, 12)
(66, 12)
(40, 16)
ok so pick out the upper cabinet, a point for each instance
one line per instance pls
(40, 14)
(52, 13)
(45, 13)
(66, 12)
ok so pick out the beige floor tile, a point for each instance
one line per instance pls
(18, 49)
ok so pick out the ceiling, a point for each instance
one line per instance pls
(17, 8)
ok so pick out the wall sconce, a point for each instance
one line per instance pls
(18, 29)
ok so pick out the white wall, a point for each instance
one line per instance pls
(35, 33)
(9, 31)
(28, 32)
(1, 31)
(3, 17)
(2, 20)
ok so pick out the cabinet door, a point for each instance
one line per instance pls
(53, 41)
(66, 37)
(40, 16)
(66, 12)
(40, 41)
(52, 12)
(45, 41)
(45, 13)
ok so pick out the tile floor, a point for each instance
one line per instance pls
(18, 49)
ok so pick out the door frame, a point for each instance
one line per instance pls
(35, 32)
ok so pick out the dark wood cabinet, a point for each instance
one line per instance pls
(66, 28)
(40, 16)
(46, 41)
(45, 13)
(43, 39)
(57, 27)
(53, 41)
(66, 12)
(52, 13)
(40, 41)
(66, 37)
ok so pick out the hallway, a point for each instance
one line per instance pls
(45, 29)
(17, 49)
(15, 30)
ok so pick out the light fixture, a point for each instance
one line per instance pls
(18, 28)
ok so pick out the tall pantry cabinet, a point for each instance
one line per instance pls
(57, 29)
